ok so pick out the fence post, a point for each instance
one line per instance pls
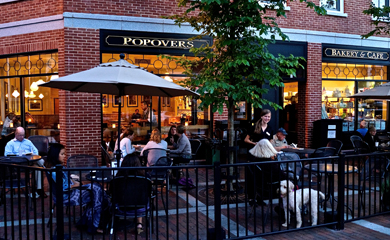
(341, 187)
(217, 200)
(59, 201)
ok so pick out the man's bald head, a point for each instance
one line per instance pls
(19, 133)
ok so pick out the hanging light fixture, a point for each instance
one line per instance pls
(15, 93)
(41, 96)
(32, 95)
(25, 94)
(34, 86)
(6, 95)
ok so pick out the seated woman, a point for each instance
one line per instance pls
(92, 195)
(172, 137)
(125, 143)
(132, 160)
(263, 151)
(155, 143)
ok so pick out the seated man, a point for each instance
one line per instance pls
(371, 138)
(18, 146)
(279, 140)
(182, 147)
(136, 114)
(363, 128)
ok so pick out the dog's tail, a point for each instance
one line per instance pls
(322, 196)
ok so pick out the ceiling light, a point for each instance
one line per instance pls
(41, 96)
(15, 93)
(34, 86)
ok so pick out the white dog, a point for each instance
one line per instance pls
(295, 202)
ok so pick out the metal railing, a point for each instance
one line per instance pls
(217, 203)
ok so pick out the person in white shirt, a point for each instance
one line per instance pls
(19, 146)
(156, 143)
(125, 143)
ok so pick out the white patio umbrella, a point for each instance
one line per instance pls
(380, 92)
(119, 78)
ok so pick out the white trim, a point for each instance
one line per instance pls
(32, 25)
(8, 1)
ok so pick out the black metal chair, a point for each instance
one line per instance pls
(293, 171)
(360, 147)
(337, 144)
(195, 146)
(324, 152)
(151, 155)
(160, 177)
(41, 143)
(134, 205)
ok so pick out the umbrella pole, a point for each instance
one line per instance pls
(118, 152)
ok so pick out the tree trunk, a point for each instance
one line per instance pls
(231, 138)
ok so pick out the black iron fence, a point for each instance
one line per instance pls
(238, 201)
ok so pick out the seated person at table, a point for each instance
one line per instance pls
(136, 115)
(19, 146)
(183, 146)
(92, 195)
(125, 143)
(363, 128)
(371, 138)
(263, 151)
(132, 160)
(172, 137)
(279, 140)
(6, 125)
(155, 142)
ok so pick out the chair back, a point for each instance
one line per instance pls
(41, 143)
(360, 146)
(324, 152)
(375, 168)
(195, 146)
(161, 173)
(139, 187)
(292, 170)
(355, 137)
(153, 154)
(337, 144)
(82, 160)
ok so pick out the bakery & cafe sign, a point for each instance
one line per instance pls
(128, 41)
(362, 54)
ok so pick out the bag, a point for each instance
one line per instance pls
(186, 182)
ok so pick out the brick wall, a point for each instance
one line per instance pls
(80, 113)
(29, 9)
(309, 95)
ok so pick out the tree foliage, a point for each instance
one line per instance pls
(381, 20)
(238, 63)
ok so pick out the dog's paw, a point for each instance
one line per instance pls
(284, 224)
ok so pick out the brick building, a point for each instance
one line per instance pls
(40, 40)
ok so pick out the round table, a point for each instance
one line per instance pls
(300, 151)
(20, 159)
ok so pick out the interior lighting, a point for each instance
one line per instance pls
(53, 77)
(34, 86)
(25, 94)
(15, 93)
(40, 81)
(31, 95)
(41, 96)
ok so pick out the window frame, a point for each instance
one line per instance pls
(339, 11)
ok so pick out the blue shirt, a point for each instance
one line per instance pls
(26, 146)
(362, 131)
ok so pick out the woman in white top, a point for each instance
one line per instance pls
(155, 143)
(125, 143)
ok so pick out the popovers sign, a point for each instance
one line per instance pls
(128, 41)
(361, 54)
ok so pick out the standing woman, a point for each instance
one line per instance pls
(261, 129)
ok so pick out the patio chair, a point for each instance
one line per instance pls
(324, 152)
(292, 170)
(337, 144)
(160, 177)
(41, 143)
(360, 147)
(151, 155)
(134, 205)
(195, 146)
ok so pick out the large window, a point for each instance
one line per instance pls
(19, 79)
(340, 81)
(173, 111)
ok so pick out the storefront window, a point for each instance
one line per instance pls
(40, 104)
(340, 81)
(174, 111)
(289, 115)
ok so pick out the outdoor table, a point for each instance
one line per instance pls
(99, 176)
(21, 159)
(329, 170)
(302, 152)
(383, 148)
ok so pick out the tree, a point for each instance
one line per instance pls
(381, 20)
(237, 64)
